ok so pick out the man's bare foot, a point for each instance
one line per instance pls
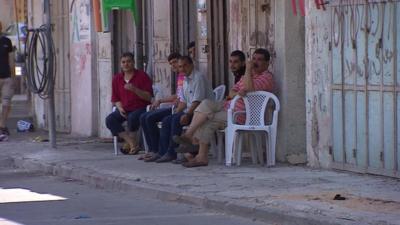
(189, 157)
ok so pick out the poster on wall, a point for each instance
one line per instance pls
(80, 15)
(202, 17)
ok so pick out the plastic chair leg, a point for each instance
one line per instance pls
(238, 148)
(145, 145)
(253, 147)
(259, 142)
(115, 145)
(220, 146)
(229, 147)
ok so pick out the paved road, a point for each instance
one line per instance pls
(23, 202)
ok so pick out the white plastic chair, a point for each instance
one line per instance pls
(256, 105)
(219, 92)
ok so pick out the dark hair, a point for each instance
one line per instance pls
(174, 55)
(128, 55)
(264, 52)
(187, 59)
(240, 54)
(191, 44)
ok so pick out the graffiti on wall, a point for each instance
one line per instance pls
(364, 33)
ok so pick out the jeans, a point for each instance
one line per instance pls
(170, 126)
(149, 121)
(115, 119)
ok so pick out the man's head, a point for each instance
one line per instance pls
(127, 62)
(185, 65)
(237, 61)
(173, 61)
(260, 59)
(192, 49)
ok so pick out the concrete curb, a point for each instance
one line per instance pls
(112, 182)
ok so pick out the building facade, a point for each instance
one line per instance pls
(352, 86)
(87, 59)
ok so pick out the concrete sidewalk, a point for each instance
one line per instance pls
(281, 195)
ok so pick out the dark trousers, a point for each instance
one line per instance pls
(148, 122)
(170, 126)
(114, 121)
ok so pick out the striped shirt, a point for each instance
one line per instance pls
(261, 82)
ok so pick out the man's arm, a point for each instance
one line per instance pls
(185, 119)
(247, 80)
(120, 109)
(139, 92)
(181, 107)
(194, 105)
(171, 98)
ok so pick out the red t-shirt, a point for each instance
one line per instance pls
(130, 101)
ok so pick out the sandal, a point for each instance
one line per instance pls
(124, 149)
(194, 164)
(145, 156)
(134, 150)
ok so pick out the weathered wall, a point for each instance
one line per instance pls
(104, 65)
(7, 13)
(82, 110)
(352, 86)
(318, 90)
(161, 36)
(35, 19)
(270, 24)
(290, 76)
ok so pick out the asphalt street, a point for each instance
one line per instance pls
(28, 198)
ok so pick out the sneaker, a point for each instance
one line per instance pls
(3, 137)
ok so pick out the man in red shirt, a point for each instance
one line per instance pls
(131, 93)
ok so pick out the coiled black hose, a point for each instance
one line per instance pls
(41, 61)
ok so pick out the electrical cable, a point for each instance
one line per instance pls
(41, 61)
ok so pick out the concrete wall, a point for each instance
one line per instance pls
(290, 77)
(83, 82)
(104, 68)
(318, 92)
(283, 35)
(35, 19)
(7, 13)
(161, 36)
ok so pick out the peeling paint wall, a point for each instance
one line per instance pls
(81, 68)
(7, 13)
(104, 68)
(162, 42)
(270, 24)
(352, 86)
(318, 87)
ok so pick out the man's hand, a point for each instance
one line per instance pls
(122, 112)
(249, 67)
(185, 119)
(155, 104)
(242, 93)
(129, 87)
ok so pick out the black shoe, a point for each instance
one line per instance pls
(166, 158)
(4, 130)
(153, 158)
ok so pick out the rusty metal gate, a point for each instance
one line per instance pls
(365, 74)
